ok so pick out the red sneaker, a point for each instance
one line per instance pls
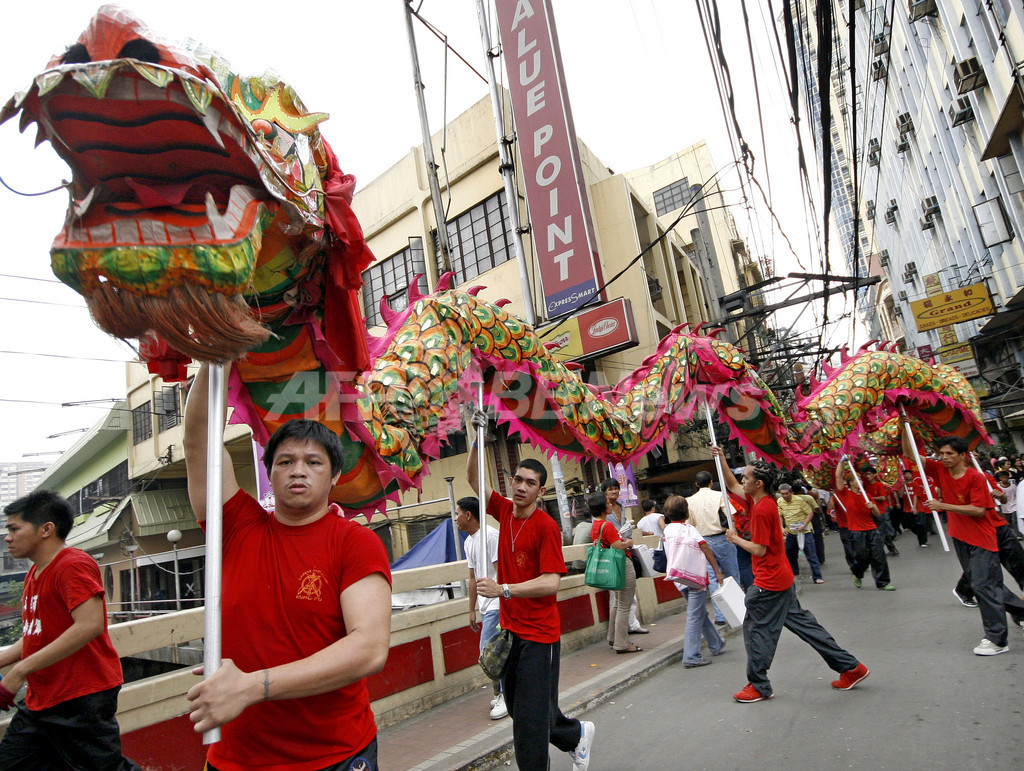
(851, 677)
(750, 694)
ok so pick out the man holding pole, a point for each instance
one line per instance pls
(771, 603)
(530, 567)
(971, 517)
(867, 544)
(306, 609)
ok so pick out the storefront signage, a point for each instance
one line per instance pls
(953, 307)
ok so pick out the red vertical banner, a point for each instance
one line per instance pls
(556, 193)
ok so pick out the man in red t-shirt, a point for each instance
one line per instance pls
(771, 603)
(971, 519)
(300, 641)
(65, 655)
(879, 492)
(530, 567)
(866, 540)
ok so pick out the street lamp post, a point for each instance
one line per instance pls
(174, 536)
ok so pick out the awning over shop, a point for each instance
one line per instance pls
(92, 533)
(157, 511)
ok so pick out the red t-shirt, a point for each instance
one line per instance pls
(876, 490)
(281, 602)
(858, 515)
(538, 549)
(772, 571)
(46, 604)
(972, 490)
(609, 534)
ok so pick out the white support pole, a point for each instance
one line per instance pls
(856, 479)
(214, 529)
(974, 460)
(924, 479)
(726, 503)
(481, 474)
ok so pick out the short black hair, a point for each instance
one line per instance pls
(302, 430)
(647, 504)
(703, 479)
(471, 504)
(764, 473)
(597, 504)
(609, 483)
(676, 509)
(1001, 474)
(532, 464)
(870, 470)
(42, 506)
(955, 443)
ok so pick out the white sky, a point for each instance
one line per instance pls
(638, 77)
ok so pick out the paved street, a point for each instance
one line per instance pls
(928, 704)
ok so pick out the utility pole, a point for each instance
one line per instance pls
(512, 199)
(428, 146)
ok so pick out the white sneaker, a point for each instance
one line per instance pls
(989, 648)
(581, 755)
(498, 708)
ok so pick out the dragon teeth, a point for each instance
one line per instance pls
(221, 229)
(212, 122)
(49, 80)
(198, 94)
(81, 207)
(95, 79)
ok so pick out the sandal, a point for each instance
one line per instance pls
(630, 649)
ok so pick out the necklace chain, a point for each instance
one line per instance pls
(514, 533)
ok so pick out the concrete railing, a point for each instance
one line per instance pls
(433, 651)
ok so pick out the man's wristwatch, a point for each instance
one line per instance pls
(506, 592)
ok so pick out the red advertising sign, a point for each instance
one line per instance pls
(552, 173)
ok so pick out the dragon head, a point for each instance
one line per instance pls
(182, 171)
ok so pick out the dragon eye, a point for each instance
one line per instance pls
(141, 50)
(76, 54)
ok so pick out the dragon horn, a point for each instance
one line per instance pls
(844, 354)
(444, 281)
(696, 329)
(502, 302)
(714, 333)
(552, 346)
(827, 368)
(473, 291)
(866, 346)
(573, 365)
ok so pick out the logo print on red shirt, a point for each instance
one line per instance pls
(311, 586)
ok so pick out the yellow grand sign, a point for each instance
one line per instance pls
(969, 302)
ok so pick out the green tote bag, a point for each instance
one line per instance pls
(606, 567)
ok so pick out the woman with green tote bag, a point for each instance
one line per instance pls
(604, 537)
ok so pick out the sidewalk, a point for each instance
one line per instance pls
(460, 735)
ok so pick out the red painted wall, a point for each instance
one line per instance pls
(408, 664)
(461, 649)
(169, 746)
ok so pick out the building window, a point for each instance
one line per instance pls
(168, 407)
(457, 445)
(480, 238)
(673, 197)
(142, 423)
(391, 278)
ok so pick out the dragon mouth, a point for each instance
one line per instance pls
(168, 184)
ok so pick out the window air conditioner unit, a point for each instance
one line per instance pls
(930, 206)
(878, 70)
(902, 297)
(961, 112)
(921, 8)
(904, 123)
(858, 4)
(874, 152)
(881, 43)
(883, 258)
(910, 269)
(968, 76)
(898, 310)
(927, 223)
(870, 210)
(903, 145)
(890, 215)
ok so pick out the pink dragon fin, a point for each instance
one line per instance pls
(444, 281)
(502, 302)
(414, 289)
(386, 313)
(473, 291)
(714, 333)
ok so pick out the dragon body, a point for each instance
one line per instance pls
(211, 220)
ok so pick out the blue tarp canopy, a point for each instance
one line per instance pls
(438, 547)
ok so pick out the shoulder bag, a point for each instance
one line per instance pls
(606, 567)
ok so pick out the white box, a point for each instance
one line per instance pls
(731, 601)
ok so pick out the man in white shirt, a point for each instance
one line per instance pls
(706, 515)
(651, 523)
(467, 517)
